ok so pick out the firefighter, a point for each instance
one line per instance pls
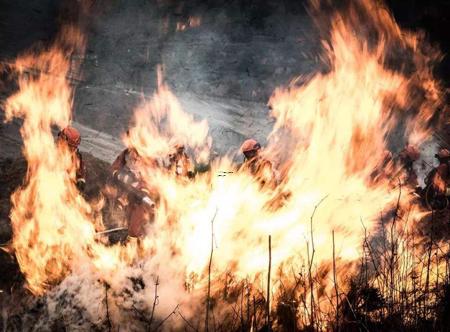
(134, 195)
(180, 163)
(70, 138)
(255, 164)
(437, 182)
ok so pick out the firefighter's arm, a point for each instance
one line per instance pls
(133, 186)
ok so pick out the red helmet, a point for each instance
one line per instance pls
(71, 136)
(250, 145)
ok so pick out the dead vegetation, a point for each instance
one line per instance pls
(402, 283)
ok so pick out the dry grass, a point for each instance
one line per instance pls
(402, 283)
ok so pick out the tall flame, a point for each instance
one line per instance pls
(48, 210)
(329, 139)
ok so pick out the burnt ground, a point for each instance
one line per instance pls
(12, 175)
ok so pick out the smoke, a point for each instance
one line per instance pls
(427, 160)
(223, 70)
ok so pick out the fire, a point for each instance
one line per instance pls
(162, 122)
(49, 219)
(330, 136)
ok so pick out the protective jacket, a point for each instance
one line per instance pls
(139, 207)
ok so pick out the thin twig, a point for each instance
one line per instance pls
(107, 308)
(311, 261)
(140, 314)
(155, 300)
(186, 321)
(268, 284)
(209, 273)
(174, 311)
(248, 303)
(255, 326)
(335, 284)
(242, 307)
(394, 247)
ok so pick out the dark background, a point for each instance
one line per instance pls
(24, 22)
(223, 70)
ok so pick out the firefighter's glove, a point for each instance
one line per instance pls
(148, 201)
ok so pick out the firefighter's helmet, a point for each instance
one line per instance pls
(250, 145)
(71, 135)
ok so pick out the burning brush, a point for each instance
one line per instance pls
(209, 233)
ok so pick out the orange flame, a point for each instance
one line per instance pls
(329, 136)
(48, 210)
